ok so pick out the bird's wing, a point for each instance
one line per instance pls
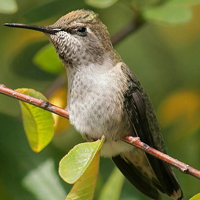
(144, 124)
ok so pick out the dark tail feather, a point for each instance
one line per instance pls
(134, 175)
(166, 177)
(166, 181)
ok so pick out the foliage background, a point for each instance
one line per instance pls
(164, 56)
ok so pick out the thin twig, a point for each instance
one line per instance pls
(133, 26)
(135, 141)
(34, 101)
(129, 139)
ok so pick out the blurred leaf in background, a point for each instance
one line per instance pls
(169, 14)
(8, 6)
(44, 173)
(101, 4)
(59, 98)
(164, 54)
(181, 111)
(47, 59)
(112, 188)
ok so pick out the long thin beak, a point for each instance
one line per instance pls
(44, 29)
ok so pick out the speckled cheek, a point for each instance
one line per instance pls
(66, 46)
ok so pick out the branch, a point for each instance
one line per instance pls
(135, 141)
(34, 101)
(133, 26)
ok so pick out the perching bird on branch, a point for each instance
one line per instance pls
(106, 98)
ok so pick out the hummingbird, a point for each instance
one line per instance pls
(106, 98)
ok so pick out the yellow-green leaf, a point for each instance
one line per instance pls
(76, 162)
(84, 188)
(107, 191)
(38, 123)
(196, 197)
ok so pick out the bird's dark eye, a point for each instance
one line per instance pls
(81, 30)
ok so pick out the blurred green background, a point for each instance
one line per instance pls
(165, 55)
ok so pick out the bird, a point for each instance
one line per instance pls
(106, 98)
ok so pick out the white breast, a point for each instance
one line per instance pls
(95, 101)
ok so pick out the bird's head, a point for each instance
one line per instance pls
(79, 37)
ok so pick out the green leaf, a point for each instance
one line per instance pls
(107, 191)
(100, 4)
(196, 197)
(75, 163)
(38, 123)
(168, 13)
(8, 6)
(84, 188)
(47, 60)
